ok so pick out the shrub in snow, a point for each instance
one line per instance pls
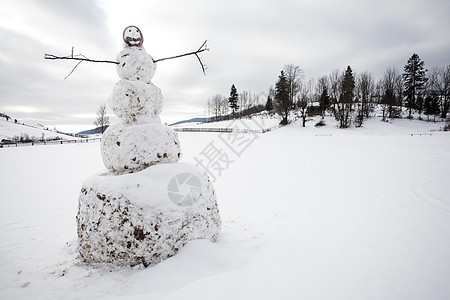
(321, 123)
(447, 126)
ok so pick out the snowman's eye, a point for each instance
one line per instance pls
(129, 30)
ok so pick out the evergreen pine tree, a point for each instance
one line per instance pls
(346, 99)
(414, 76)
(432, 107)
(233, 99)
(348, 86)
(282, 102)
(420, 102)
(324, 101)
(269, 103)
(388, 100)
(428, 109)
(436, 105)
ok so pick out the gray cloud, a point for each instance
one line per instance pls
(250, 43)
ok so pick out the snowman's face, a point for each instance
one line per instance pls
(132, 36)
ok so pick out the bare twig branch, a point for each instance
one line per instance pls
(202, 48)
(81, 58)
(201, 64)
(73, 69)
(185, 54)
(53, 57)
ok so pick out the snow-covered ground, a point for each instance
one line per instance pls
(308, 213)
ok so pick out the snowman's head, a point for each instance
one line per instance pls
(133, 37)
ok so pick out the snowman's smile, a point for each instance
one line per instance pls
(133, 41)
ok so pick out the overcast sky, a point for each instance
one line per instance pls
(250, 42)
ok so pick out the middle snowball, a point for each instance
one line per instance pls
(127, 149)
(131, 100)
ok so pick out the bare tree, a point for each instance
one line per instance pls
(271, 95)
(294, 77)
(335, 79)
(378, 91)
(244, 100)
(304, 99)
(322, 85)
(272, 92)
(389, 90)
(432, 85)
(102, 120)
(365, 88)
(432, 93)
(215, 106)
(439, 78)
(322, 90)
(253, 100)
(388, 99)
(208, 108)
(445, 90)
(218, 106)
(399, 92)
(224, 108)
(392, 81)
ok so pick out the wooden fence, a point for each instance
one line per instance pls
(56, 142)
(225, 130)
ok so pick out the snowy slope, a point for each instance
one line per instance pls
(9, 129)
(308, 214)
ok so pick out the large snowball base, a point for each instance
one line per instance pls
(145, 217)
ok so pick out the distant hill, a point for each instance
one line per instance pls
(91, 131)
(193, 120)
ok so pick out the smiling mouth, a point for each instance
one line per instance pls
(130, 39)
(133, 41)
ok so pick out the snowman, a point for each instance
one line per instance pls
(140, 140)
(147, 205)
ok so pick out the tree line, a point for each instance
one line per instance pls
(237, 105)
(350, 98)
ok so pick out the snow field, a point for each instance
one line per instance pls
(313, 213)
(348, 219)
